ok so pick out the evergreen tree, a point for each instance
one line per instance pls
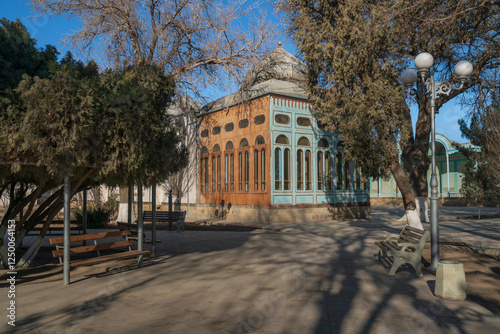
(95, 128)
(481, 180)
(355, 51)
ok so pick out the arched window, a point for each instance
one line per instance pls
(286, 170)
(300, 180)
(226, 172)
(231, 176)
(359, 179)
(247, 169)
(282, 139)
(324, 165)
(277, 168)
(259, 140)
(244, 142)
(340, 168)
(339, 163)
(328, 171)
(204, 169)
(263, 169)
(240, 171)
(218, 172)
(216, 148)
(303, 141)
(202, 174)
(206, 174)
(214, 168)
(256, 170)
(308, 171)
(323, 143)
(320, 170)
(229, 145)
(347, 174)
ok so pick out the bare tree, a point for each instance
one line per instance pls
(200, 42)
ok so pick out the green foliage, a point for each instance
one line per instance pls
(76, 121)
(355, 51)
(481, 181)
(19, 55)
(79, 119)
(97, 217)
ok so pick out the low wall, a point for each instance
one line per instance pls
(277, 213)
(443, 201)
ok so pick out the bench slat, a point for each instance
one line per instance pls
(162, 216)
(93, 248)
(93, 236)
(390, 245)
(416, 230)
(408, 238)
(107, 257)
(413, 234)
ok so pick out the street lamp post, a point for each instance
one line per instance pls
(423, 62)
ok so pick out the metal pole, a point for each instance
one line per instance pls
(153, 223)
(85, 215)
(140, 227)
(170, 200)
(448, 172)
(130, 201)
(434, 186)
(66, 255)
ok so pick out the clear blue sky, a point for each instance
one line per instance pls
(51, 30)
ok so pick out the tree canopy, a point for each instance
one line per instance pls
(95, 127)
(19, 55)
(200, 42)
(355, 51)
(481, 181)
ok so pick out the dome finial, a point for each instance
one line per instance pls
(279, 43)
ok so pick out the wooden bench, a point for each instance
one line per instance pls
(176, 217)
(97, 247)
(133, 228)
(57, 227)
(404, 248)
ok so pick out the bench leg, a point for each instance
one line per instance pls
(378, 257)
(415, 262)
(398, 262)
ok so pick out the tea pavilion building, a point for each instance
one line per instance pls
(261, 155)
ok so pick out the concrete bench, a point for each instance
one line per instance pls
(404, 248)
(97, 247)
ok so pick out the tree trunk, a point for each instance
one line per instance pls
(123, 208)
(412, 217)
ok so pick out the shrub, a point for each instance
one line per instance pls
(97, 217)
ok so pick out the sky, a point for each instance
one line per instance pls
(51, 30)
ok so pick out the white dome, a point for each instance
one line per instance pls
(279, 65)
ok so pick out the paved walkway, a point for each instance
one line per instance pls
(286, 278)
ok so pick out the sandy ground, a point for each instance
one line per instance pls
(482, 274)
